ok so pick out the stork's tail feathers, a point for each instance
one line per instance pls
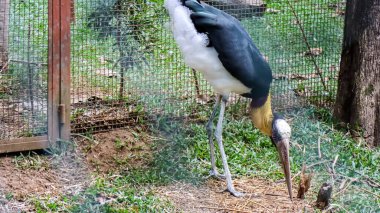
(193, 5)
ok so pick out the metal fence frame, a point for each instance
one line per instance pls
(58, 83)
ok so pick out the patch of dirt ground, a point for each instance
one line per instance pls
(260, 196)
(129, 148)
(117, 151)
(21, 180)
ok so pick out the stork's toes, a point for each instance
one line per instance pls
(235, 193)
(215, 174)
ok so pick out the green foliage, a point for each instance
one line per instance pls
(110, 194)
(119, 144)
(354, 160)
(31, 160)
(252, 154)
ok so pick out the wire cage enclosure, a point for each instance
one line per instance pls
(125, 61)
(23, 69)
(125, 64)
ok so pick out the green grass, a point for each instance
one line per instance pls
(252, 154)
(181, 153)
(112, 194)
(31, 160)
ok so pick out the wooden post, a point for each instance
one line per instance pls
(59, 70)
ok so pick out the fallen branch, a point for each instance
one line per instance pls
(270, 194)
(319, 148)
(257, 203)
(333, 165)
(365, 190)
(223, 209)
(375, 184)
(344, 189)
(308, 167)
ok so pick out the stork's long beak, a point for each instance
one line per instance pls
(283, 151)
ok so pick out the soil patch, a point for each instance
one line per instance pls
(260, 196)
(20, 181)
(117, 151)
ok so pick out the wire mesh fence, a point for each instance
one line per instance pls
(23, 68)
(125, 61)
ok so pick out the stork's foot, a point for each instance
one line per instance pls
(235, 193)
(215, 174)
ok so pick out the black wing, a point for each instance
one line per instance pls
(236, 50)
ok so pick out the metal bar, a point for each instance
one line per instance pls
(65, 18)
(24, 144)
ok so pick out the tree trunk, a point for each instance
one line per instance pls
(358, 96)
(4, 29)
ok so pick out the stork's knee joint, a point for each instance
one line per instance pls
(218, 135)
(209, 126)
(225, 98)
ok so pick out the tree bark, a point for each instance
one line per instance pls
(4, 30)
(358, 96)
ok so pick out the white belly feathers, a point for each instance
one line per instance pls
(197, 55)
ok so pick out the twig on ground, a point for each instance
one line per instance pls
(307, 167)
(345, 188)
(333, 165)
(85, 137)
(365, 190)
(221, 208)
(334, 207)
(270, 194)
(375, 184)
(319, 148)
(257, 203)
(342, 184)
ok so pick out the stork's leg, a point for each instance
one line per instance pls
(209, 127)
(218, 135)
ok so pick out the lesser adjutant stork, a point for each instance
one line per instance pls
(216, 44)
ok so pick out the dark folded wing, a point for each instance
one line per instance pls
(236, 50)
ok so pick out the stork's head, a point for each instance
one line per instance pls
(280, 137)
